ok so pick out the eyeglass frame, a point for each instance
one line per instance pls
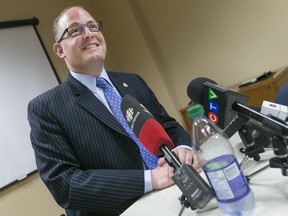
(99, 23)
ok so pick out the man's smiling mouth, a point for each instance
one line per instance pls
(91, 46)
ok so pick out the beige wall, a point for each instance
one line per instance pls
(227, 41)
(28, 198)
(172, 42)
(168, 43)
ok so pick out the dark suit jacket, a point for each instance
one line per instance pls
(85, 158)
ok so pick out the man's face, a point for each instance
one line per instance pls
(84, 53)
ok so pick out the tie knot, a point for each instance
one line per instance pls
(102, 83)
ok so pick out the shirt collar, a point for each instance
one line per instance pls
(90, 81)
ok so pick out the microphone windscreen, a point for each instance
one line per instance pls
(195, 89)
(153, 136)
(134, 113)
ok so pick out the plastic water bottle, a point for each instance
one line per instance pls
(216, 155)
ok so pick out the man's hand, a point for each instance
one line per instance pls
(161, 177)
(186, 156)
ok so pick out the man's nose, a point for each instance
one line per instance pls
(87, 32)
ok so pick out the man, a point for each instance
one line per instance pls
(84, 156)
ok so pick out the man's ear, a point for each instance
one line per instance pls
(57, 48)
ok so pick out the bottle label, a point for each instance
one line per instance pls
(226, 178)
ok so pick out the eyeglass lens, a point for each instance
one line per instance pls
(79, 29)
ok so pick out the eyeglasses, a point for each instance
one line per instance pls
(77, 30)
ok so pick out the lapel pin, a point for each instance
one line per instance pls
(125, 85)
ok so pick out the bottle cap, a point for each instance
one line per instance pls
(195, 111)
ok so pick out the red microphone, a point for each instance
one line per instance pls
(155, 139)
(153, 136)
(149, 132)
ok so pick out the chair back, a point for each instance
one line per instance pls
(282, 95)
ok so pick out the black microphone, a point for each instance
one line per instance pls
(228, 105)
(223, 105)
(195, 89)
(154, 138)
(217, 102)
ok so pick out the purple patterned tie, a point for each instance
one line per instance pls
(114, 101)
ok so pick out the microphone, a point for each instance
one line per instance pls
(195, 89)
(154, 138)
(143, 124)
(217, 102)
(222, 103)
(228, 104)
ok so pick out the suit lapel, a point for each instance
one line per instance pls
(121, 84)
(86, 100)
